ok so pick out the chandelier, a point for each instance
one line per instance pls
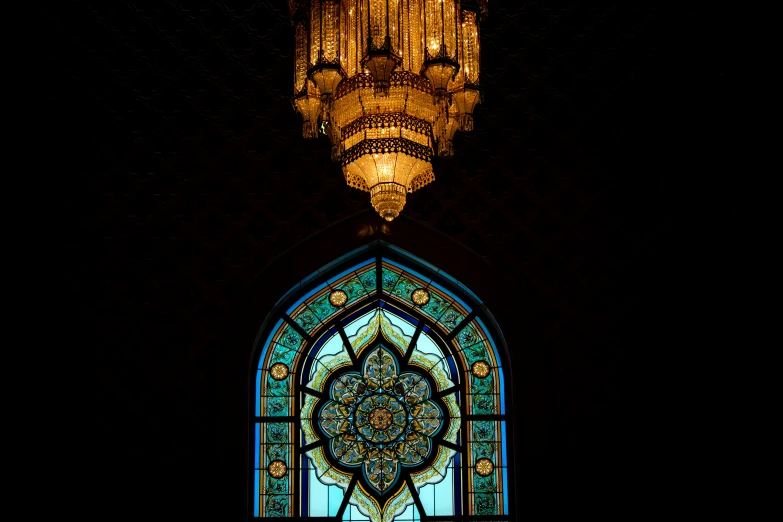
(389, 82)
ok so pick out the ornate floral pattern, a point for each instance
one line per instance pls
(380, 420)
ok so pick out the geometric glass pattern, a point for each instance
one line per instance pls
(384, 408)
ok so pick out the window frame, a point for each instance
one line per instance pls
(380, 251)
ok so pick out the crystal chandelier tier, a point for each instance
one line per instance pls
(389, 82)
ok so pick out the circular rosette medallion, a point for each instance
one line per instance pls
(380, 419)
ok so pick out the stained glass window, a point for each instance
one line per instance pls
(379, 396)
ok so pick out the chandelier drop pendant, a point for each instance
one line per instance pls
(389, 82)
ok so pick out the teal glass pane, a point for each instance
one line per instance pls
(290, 338)
(307, 320)
(277, 505)
(504, 484)
(275, 493)
(436, 306)
(283, 354)
(487, 493)
(322, 308)
(354, 289)
(469, 336)
(477, 352)
(452, 295)
(403, 289)
(389, 279)
(368, 280)
(450, 319)
(483, 404)
(485, 503)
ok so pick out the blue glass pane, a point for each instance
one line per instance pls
(258, 392)
(257, 446)
(489, 338)
(501, 390)
(425, 279)
(267, 343)
(256, 497)
(305, 297)
(505, 464)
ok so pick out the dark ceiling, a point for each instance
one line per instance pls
(195, 177)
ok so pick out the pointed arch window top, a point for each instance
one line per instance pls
(385, 403)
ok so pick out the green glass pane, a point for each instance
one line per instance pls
(486, 484)
(468, 336)
(277, 485)
(483, 450)
(277, 452)
(277, 505)
(322, 308)
(277, 432)
(484, 431)
(485, 504)
(354, 289)
(307, 320)
(436, 306)
(482, 386)
(277, 406)
(278, 388)
(476, 352)
(290, 338)
(368, 280)
(451, 319)
(404, 288)
(389, 279)
(282, 354)
(483, 404)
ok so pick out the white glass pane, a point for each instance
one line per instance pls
(335, 499)
(331, 348)
(318, 494)
(427, 497)
(411, 514)
(354, 326)
(407, 328)
(444, 494)
(353, 514)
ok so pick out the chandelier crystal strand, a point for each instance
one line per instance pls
(389, 82)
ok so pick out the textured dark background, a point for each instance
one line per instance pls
(574, 189)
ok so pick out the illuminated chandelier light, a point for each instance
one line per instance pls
(389, 82)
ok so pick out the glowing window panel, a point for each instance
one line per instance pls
(364, 386)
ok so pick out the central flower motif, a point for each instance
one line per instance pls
(380, 420)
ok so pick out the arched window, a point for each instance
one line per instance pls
(379, 394)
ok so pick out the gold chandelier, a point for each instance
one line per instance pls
(389, 82)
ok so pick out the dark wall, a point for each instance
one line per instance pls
(571, 195)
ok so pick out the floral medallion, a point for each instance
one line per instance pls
(380, 420)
